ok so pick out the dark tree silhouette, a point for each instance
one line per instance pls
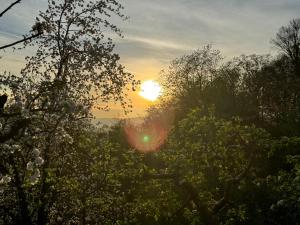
(288, 41)
(3, 99)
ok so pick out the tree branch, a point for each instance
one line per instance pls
(20, 41)
(9, 7)
(228, 187)
(206, 215)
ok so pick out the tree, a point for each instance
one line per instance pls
(188, 76)
(203, 166)
(288, 41)
(97, 176)
(74, 69)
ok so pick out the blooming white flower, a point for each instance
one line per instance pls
(36, 152)
(37, 173)
(272, 207)
(35, 177)
(39, 161)
(68, 139)
(34, 138)
(6, 147)
(37, 129)
(15, 148)
(280, 202)
(6, 179)
(30, 165)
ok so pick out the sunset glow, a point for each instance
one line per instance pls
(150, 90)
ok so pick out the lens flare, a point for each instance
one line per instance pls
(147, 137)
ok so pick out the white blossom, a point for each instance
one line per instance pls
(15, 148)
(37, 173)
(280, 202)
(30, 165)
(272, 207)
(39, 161)
(36, 152)
(68, 138)
(6, 179)
(35, 177)
(6, 147)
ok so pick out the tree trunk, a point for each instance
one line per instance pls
(24, 214)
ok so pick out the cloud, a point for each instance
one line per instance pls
(236, 24)
(161, 30)
(172, 27)
(158, 43)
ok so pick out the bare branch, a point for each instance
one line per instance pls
(20, 41)
(9, 7)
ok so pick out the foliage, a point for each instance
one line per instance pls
(231, 155)
(209, 160)
(288, 41)
(73, 69)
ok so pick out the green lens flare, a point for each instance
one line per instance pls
(146, 138)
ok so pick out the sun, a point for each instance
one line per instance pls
(150, 90)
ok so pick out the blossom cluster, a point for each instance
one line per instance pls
(32, 166)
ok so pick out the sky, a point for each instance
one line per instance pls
(159, 31)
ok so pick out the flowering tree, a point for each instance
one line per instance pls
(73, 70)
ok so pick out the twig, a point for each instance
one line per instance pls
(20, 41)
(9, 7)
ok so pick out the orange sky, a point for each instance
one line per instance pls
(143, 70)
(159, 31)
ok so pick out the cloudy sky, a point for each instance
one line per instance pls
(161, 30)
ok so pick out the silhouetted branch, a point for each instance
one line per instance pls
(20, 41)
(224, 200)
(9, 7)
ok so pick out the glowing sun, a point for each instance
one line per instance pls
(150, 90)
